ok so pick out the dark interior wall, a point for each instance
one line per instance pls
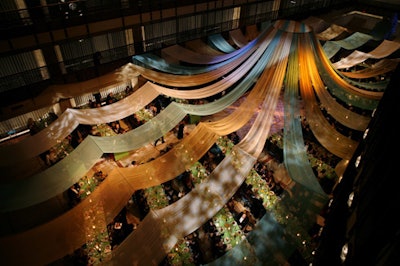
(368, 225)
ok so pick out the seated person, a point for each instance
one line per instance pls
(32, 126)
(100, 176)
(110, 98)
(51, 157)
(242, 219)
(117, 128)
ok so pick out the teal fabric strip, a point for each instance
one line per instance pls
(150, 60)
(372, 86)
(294, 150)
(219, 42)
(352, 42)
(331, 49)
(51, 182)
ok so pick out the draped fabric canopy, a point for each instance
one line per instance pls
(181, 81)
(238, 38)
(383, 66)
(351, 42)
(349, 94)
(251, 32)
(54, 93)
(377, 85)
(197, 143)
(134, 139)
(200, 47)
(207, 198)
(189, 56)
(341, 114)
(265, 245)
(295, 155)
(150, 61)
(331, 49)
(330, 33)
(280, 58)
(68, 121)
(384, 49)
(220, 43)
(326, 134)
(317, 25)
